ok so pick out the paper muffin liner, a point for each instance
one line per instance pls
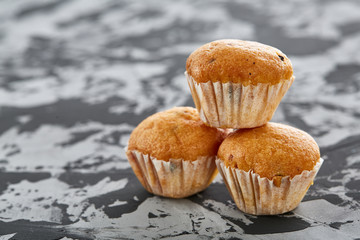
(259, 196)
(176, 178)
(234, 105)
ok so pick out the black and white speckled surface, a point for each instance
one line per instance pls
(77, 76)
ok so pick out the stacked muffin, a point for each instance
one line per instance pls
(267, 167)
(173, 152)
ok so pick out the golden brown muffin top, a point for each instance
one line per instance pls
(176, 133)
(246, 62)
(273, 151)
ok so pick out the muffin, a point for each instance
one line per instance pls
(237, 84)
(268, 169)
(173, 153)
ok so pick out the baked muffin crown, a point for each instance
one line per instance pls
(272, 151)
(177, 133)
(246, 62)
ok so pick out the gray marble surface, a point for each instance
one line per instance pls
(77, 76)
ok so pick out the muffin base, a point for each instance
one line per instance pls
(234, 105)
(259, 196)
(176, 178)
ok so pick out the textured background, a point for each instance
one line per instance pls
(77, 76)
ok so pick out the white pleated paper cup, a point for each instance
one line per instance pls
(234, 105)
(259, 196)
(176, 178)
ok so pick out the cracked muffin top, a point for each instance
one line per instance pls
(237, 61)
(273, 151)
(177, 133)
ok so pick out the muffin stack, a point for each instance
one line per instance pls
(267, 167)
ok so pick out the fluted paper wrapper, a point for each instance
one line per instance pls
(259, 196)
(234, 105)
(176, 178)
